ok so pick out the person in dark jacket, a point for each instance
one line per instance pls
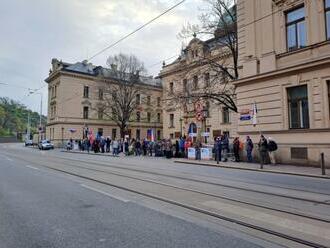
(263, 151)
(249, 148)
(236, 145)
(217, 149)
(137, 148)
(225, 147)
(272, 147)
(108, 142)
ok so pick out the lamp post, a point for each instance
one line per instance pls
(205, 114)
(40, 115)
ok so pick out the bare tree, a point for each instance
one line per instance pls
(220, 61)
(121, 98)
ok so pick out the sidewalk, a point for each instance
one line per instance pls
(279, 169)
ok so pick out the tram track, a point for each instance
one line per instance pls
(108, 165)
(177, 203)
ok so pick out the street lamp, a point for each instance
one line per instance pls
(39, 93)
(205, 113)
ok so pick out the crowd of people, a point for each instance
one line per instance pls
(222, 148)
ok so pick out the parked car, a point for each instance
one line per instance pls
(45, 145)
(28, 142)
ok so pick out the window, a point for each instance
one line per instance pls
(195, 82)
(296, 29)
(55, 90)
(138, 133)
(158, 101)
(148, 100)
(158, 135)
(114, 133)
(86, 91)
(225, 115)
(100, 94)
(171, 88)
(207, 79)
(298, 107)
(171, 120)
(185, 85)
(100, 114)
(138, 116)
(138, 99)
(148, 117)
(100, 131)
(158, 117)
(327, 17)
(328, 84)
(85, 113)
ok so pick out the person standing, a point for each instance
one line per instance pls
(263, 151)
(236, 147)
(115, 147)
(137, 148)
(108, 142)
(126, 145)
(272, 147)
(217, 149)
(249, 148)
(225, 147)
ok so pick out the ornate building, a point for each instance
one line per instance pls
(284, 54)
(189, 76)
(75, 92)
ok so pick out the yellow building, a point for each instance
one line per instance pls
(284, 53)
(191, 73)
(76, 90)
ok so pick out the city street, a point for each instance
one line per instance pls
(58, 199)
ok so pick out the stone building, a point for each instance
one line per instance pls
(284, 54)
(190, 73)
(76, 90)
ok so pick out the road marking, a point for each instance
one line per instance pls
(104, 193)
(31, 167)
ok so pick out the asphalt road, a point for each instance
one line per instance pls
(43, 208)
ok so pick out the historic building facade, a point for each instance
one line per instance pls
(284, 54)
(190, 74)
(76, 90)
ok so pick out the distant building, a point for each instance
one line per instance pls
(192, 73)
(74, 93)
(284, 53)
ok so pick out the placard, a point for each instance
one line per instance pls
(191, 153)
(206, 153)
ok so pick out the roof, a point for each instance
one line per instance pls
(98, 71)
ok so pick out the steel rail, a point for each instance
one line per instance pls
(196, 209)
(211, 183)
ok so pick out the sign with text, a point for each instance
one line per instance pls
(206, 153)
(191, 153)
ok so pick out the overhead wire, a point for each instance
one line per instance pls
(136, 30)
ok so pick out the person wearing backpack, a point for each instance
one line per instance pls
(272, 147)
(249, 148)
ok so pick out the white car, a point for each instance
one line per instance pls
(28, 142)
(45, 145)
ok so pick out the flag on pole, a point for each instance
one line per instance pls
(254, 114)
(150, 135)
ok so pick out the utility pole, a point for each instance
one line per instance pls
(28, 135)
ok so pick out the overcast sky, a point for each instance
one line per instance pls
(35, 31)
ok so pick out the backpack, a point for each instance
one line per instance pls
(272, 146)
